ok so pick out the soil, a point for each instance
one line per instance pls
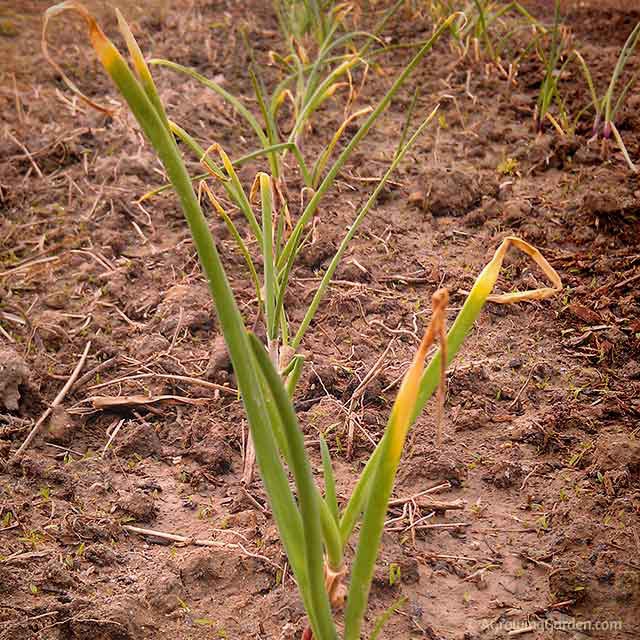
(542, 442)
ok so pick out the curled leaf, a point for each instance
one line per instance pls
(487, 279)
(103, 47)
(401, 417)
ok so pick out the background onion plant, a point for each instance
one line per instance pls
(314, 529)
(307, 84)
(481, 29)
(607, 106)
(298, 18)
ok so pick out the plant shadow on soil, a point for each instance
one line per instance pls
(542, 440)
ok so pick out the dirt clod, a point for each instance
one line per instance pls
(504, 474)
(450, 192)
(203, 570)
(138, 505)
(188, 306)
(140, 439)
(219, 361)
(316, 253)
(61, 426)
(165, 592)
(8, 580)
(13, 374)
(216, 457)
(100, 554)
(117, 618)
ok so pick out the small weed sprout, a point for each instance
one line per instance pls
(508, 167)
(395, 574)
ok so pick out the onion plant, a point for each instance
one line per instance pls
(278, 249)
(315, 82)
(607, 106)
(483, 16)
(298, 18)
(549, 87)
(481, 28)
(308, 82)
(314, 529)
